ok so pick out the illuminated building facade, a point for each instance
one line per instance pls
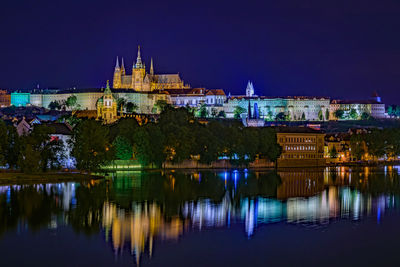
(5, 98)
(19, 99)
(141, 80)
(86, 99)
(107, 106)
(296, 108)
(302, 108)
(196, 97)
(301, 146)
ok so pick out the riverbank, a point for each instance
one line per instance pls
(50, 177)
(364, 163)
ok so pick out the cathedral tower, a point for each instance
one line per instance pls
(138, 73)
(123, 67)
(151, 67)
(250, 89)
(117, 76)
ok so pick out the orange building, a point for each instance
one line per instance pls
(301, 146)
(5, 99)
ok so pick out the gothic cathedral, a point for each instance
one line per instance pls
(143, 81)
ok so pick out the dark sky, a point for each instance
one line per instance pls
(344, 49)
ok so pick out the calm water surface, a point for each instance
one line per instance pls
(296, 217)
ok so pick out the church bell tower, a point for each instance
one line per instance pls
(138, 73)
(117, 76)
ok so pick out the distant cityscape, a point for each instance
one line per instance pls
(144, 89)
(297, 138)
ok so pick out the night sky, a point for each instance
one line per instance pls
(342, 49)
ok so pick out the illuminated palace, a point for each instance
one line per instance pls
(143, 81)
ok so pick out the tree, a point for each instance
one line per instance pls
(3, 142)
(126, 127)
(238, 112)
(47, 152)
(333, 152)
(91, 147)
(53, 105)
(121, 104)
(270, 116)
(357, 146)
(177, 128)
(71, 101)
(203, 112)
(365, 116)
(339, 114)
(390, 111)
(280, 116)
(268, 146)
(376, 142)
(221, 114)
(353, 114)
(149, 145)
(397, 113)
(303, 117)
(327, 114)
(29, 160)
(52, 154)
(131, 107)
(213, 112)
(123, 148)
(160, 106)
(320, 115)
(12, 147)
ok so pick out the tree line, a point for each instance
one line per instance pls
(175, 137)
(30, 153)
(377, 142)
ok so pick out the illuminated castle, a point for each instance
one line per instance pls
(140, 80)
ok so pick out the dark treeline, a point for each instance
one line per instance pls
(31, 153)
(377, 143)
(176, 136)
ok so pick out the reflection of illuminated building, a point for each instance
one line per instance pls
(203, 213)
(304, 197)
(138, 227)
(300, 184)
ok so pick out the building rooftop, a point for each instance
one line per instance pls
(60, 128)
(292, 129)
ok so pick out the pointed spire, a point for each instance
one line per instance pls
(122, 67)
(151, 67)
(139, 64)
(117, 64)
(107, 90)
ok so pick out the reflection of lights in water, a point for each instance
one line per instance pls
(346, 198)
(139, 225)
(235, 178)
(357, 206)
(249, 219)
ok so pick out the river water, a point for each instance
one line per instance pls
(293, 217)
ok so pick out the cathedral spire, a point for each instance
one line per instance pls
(151, 67)
(122, 67)
(139, 63)
(117, 64)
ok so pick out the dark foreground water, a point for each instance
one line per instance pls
(297, 217)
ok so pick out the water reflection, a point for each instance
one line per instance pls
(132, 210)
